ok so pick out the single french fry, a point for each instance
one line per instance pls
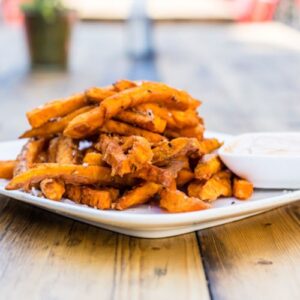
(209, 145)
(98, 94)
(7, 168)
(184, 176)
(85, 124)
(175, 119)
(52, 150)
(176, 201)
(67, 151)
(57, 108)
(93, 158)
(97, 198)
(52, 189)
(28, 155)
(242, 189)
(155, 174)
(70, 174)
(145, 121)
(56, 126)
(192, 132)
(177, 147)
(138, 195)
(121, 128)
(217, 186)
(207, 166)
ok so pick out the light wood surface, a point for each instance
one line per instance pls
(248, 77)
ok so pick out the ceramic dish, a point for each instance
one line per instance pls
(150, 222)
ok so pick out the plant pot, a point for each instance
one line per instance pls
(48, 41)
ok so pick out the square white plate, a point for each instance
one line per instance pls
(147, 221)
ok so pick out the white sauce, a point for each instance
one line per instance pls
(276, 144)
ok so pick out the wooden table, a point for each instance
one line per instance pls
(248, 77)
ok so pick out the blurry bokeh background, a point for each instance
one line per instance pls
(241, 57)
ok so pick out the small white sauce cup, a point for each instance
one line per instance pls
(265, 168)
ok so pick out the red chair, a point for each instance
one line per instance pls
(255, 10)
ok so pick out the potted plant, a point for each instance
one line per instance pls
(48, 28)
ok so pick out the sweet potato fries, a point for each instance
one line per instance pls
(120, 146)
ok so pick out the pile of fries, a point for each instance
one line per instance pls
(121, 146)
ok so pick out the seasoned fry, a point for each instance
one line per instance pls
(97, 94)
(55, 126)
(52, 188)
(73, 174)
(97, 198)
(145, 93)
(193, 132)
(67, 151)
(207, 166)
(7, 168)
(114, 155)
(242, 189)
(138, 195)
(52, 150)
(146, 121)
(112, 126)
(209, 145)
(176, 201)
(85, 124)
(28, 155)
(166, 150)
(184, 176)
(57, 108)
(93, 158)
(155, 174)
(217, 186)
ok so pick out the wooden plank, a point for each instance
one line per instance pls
(258, 257)
(45, 256)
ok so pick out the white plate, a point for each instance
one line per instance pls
(150, 222)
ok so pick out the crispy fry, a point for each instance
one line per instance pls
(124, 84)
(138, 195)
(155, 174)
(73, 174)
(207, 166)
(112, 126)
(52, 149)
(97, 198)
(168, 150)
(184, 176)
(242, 189)
(52, 188)
(55, 126)
(28, 155)
(7, 168)
(57, 108)
(176, 201)
(193, 132)
(97, 94)
(145, 93)
(146, 121)
(85, 124)
(138, 149)
(217, 186)
(93, 158)
(209, 145)
(113, 155)
(67, 151)
(110, 107)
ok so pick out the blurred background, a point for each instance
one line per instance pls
(241, 57)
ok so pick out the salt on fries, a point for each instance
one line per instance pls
(121, 146)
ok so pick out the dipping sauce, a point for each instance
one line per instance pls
(270, 144)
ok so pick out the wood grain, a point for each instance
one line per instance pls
(45, 256)
(255, 258)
